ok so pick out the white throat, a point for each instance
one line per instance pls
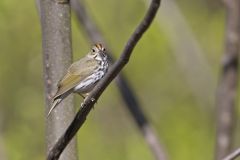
(99, 58)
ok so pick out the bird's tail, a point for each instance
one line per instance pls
(55, 103)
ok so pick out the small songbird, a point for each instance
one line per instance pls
(82, 75)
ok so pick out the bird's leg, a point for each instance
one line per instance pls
(81, 95)
(84, 97)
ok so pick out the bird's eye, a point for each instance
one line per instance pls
(104, 49)
(93, 50)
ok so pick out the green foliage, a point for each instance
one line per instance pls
(184, 125)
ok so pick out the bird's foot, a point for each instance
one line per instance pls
(93, 99)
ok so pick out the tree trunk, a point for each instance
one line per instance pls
(57, 56)
(228, 83)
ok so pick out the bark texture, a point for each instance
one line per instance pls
(227, 89)
(57, 56)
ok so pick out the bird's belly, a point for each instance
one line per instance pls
(86, 85)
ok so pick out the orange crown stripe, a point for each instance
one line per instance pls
(99, 46)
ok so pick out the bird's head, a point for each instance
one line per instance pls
(98, 52)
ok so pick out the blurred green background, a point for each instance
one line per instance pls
(173, 70)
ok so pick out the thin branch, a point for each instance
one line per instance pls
(57, 56)
(89, 102)
(130, 99)
(233, 155)
(227, 89)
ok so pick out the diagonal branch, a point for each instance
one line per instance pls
(227, 89)
(89, 102)
(130, 99)
(233, 155)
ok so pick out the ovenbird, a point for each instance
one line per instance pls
(82, 75)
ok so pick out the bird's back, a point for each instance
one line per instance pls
(76, 73)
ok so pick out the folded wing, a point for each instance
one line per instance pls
(76, 73)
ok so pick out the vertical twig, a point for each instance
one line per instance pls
(89, 102)
(227, 89)
(57, 56)
(127, 93)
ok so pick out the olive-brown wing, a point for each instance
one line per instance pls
(77, 72)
